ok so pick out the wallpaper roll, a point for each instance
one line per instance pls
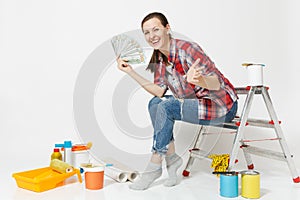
(120, 172)
(116, 174)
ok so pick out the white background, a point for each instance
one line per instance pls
(43, 45)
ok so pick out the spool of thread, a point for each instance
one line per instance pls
(61, 166)
(250, 184)
(229, 185)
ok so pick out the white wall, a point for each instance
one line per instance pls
(44, 44)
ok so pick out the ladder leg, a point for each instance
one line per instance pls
(239, 134)
(248, 158)
(282, 141)
(191, 159)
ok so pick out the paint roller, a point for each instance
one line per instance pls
(60, 166)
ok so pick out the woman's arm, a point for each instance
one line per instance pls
(146, 84)
(195, 77)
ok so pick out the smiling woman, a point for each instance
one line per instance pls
(157, 33)
(200, 94)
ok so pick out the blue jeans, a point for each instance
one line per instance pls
(165, 111)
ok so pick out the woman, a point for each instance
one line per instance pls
(201, 94)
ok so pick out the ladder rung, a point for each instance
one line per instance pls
(242, 90)
(198, 153)
(235, 123)
(229, 125)
(257, 122)
(245, 90)
(260, 140)
(264, 152)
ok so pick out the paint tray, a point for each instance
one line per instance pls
(42, 179)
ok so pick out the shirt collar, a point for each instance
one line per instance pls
(172, 50)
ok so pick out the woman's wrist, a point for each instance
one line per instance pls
(130, 72)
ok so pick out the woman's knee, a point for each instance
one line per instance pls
(154, 101)
(231, 114)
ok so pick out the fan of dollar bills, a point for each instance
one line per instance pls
(128, 49)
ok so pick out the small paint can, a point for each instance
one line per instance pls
(255, 74)
(229, 185)
(93, 176)
(80, 154)
(250, 186)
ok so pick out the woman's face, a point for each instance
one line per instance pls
(156, 34)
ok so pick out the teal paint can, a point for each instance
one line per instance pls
(229, 185)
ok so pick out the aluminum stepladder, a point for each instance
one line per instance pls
(239, 124)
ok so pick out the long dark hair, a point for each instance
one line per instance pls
(155, 58)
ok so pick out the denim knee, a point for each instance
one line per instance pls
(154, 101)
(231, 114)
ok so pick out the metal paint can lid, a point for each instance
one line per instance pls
(249, 172)
(229, 174)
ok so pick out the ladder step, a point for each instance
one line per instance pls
(260, 140)
(198, 153)
(256, 122)
(230, 125)
(235, 123)
(245, 90)
(264, 152)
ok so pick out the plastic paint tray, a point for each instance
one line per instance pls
(42, 179)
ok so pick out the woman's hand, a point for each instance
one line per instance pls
(193, 75)
(123, 65)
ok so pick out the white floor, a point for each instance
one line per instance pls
(276, 183)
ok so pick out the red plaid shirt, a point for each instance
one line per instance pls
(212, 103)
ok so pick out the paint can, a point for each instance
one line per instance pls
(80, 154)
(255, 74)
(250, 184)
(93, 176)
(229, 185)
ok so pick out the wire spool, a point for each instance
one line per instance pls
(250, 184)
(229, 185)
(60, 166)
